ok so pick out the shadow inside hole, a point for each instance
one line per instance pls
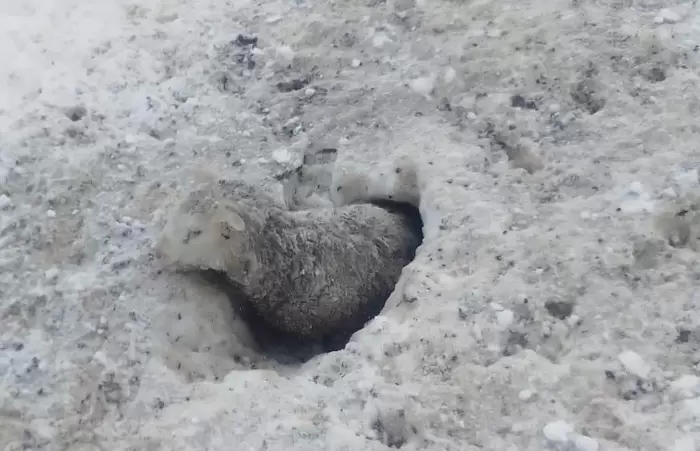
(287, 348)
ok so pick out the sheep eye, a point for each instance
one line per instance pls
(226, 233)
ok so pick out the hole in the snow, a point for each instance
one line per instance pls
(303, 281)
(76, 113)
(359, 285)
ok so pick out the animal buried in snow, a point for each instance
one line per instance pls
(312, 274)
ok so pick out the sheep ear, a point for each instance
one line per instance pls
(235, 221)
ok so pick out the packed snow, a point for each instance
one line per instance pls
(553, 305)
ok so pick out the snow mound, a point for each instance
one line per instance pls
(555, 145)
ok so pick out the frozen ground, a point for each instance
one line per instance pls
(551, 306)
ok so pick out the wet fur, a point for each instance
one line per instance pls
(314, 275)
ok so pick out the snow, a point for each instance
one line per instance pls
(684, 444)
(634, 364)
(561, 435)
(686, 386)
(558, 431)
(573, 207)
(666, 15)
(583, 443)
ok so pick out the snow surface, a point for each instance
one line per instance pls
(553, 305)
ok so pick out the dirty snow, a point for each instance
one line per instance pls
(557, 145)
